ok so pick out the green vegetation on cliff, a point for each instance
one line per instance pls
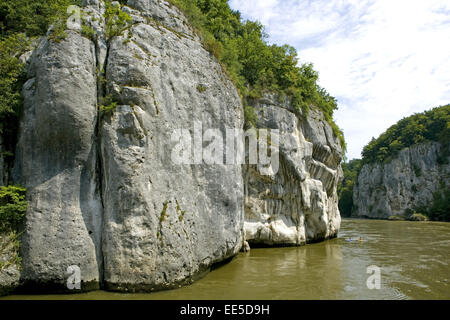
(432, 125)
(20, 22)
(253, 64)
(439, 208)
(12, 207)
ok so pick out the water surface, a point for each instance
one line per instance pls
(413, 257)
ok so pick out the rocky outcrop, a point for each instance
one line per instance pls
(400, 185)
(298, 203)
(104, 192)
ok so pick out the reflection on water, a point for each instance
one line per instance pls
(413, 257)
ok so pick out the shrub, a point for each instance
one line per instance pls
(439, 208)
(108, 104)
(418, 217)
(116, 20)
(88, 32)
(201, 88)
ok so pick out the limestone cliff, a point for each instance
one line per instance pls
(400, 185)
(103, 192)
(298, 203)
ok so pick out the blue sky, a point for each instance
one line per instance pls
(382, 59)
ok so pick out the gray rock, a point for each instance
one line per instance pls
(407, 181)
(9, 270)
(298, 204)
(165, 224)
(160, 225)
(56, 160)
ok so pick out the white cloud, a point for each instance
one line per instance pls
(382, 59)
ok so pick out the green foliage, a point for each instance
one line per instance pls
(12, 78)
(345, 189)
(432, 125)
(13, 206)
(20, 21)
(251, 63)
(108, 104)
(250, 116)
(418, 217)
(11, 74)
(88, 32)
(116, 20)
(32, 17)
(439, 208)
(201, 88)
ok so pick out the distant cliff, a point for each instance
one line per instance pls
(405, 170)
(402, 185)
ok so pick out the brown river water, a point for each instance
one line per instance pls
(413, 258)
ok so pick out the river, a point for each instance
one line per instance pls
(413, 258)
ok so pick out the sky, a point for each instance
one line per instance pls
(382, 59)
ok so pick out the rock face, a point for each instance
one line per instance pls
(298, 203)
(407, 181)
(104, 194)
(165, 224)
(56, 160)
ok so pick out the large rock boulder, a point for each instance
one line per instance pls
(104, 194)
(165, 224)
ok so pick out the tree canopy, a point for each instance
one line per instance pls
(432, 125)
